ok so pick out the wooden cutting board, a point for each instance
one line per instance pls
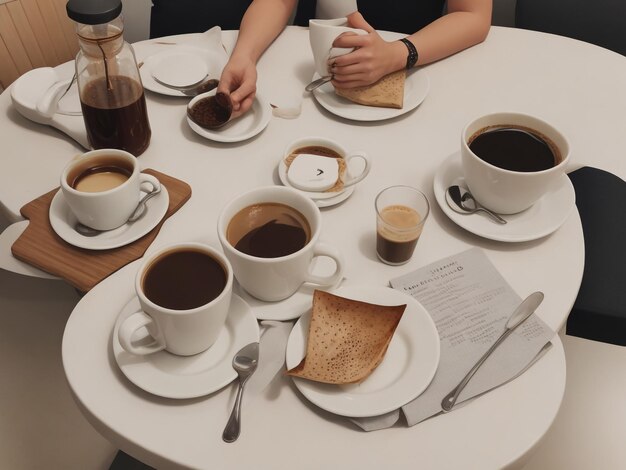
(40, 246)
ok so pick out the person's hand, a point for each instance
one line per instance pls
(239, 81)
(372, 59)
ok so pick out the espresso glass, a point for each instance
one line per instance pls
(401, 212)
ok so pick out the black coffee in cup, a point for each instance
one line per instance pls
(514, 148)
(184, 279)
(268, 230)
(100, 174)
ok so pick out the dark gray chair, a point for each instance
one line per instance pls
(600, 22)
(599, 312)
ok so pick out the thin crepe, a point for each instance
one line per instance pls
(347, 339)
(388, 92)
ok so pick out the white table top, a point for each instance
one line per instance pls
(575, 86)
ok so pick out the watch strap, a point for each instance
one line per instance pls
(411, 58)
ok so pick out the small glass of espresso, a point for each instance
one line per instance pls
(401, 212)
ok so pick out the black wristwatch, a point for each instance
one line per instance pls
(411, 58)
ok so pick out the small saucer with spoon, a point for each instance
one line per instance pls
(137, 214)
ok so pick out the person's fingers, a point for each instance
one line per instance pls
(352, 40)
(345, 70)
(350, 84)
(246, 88)
(352, 58)
(356, 20)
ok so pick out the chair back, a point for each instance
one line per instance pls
(600, 22)
(34, 33)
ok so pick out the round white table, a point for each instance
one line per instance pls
(512, 70)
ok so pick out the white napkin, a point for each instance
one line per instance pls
(271, 355)
(36, 95)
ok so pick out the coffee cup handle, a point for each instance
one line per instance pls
(363, 156)
(133, 323)
(145, 179)
(322, 249)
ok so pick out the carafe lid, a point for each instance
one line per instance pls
(93, 11)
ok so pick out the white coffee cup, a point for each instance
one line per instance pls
(273, 279)
(322, 34)
(506, 191)
(108, 209)
(308, 182)
(182, 332)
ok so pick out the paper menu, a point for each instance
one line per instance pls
(470, 303)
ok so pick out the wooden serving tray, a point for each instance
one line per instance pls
(40, 246)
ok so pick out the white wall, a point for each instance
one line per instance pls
(136, 19)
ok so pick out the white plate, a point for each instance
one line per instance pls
(540, 220)
(244, 127)
(63, 221)
(321, 199)
(171, 376)
(415, 90)
(292, 307)
(214, 61)
(409, 365)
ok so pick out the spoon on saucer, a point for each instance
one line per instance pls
(139, 211)
(194, 89)
(244, 362)
(318, 83)
(461, 200)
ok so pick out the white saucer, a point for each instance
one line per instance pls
(63, 221)
(244, 127)
(171, 376)
(540, 220)
(409, 365)
(292, 307)
(213, 61)
(321, 199)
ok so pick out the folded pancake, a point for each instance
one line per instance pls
(347, 339)
(388, 92)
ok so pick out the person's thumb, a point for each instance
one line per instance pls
(356, 20)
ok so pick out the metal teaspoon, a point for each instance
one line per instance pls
(244, 362)
(318, 83)
(519, 316)
(461, 200)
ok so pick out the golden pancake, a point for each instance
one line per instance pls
(388, 92)
(347, 339)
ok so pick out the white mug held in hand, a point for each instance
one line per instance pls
(207, 279)
(322, 34)
(276, 278)
(103, 187)
(507, 191)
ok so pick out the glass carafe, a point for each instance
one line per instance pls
(110, 89)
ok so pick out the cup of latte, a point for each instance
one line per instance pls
(184, 291)
(270, 235)
(510, 160)
(319, 165)
(103, 187)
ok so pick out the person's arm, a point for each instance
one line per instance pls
(262, 22)
(466, 23)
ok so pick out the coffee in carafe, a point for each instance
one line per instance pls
(110, 89)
